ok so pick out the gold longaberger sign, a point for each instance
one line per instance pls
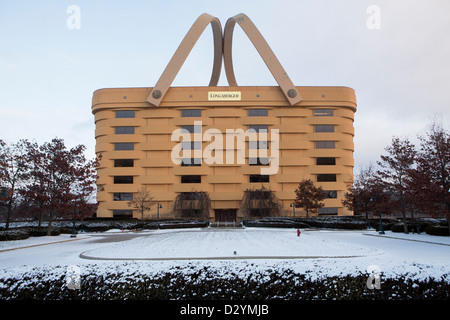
(224, 95)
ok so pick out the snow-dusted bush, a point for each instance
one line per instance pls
(187, 283)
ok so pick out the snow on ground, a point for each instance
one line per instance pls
(316, 253)
(237, 243)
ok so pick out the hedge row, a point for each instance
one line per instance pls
(431, 228)
(60, 227)
(205, 284)
(25, 233)
(349, 223)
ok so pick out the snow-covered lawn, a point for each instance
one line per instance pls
(316, 253)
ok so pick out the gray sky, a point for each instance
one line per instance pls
(400, 72)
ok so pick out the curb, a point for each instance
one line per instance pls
(41, 244)
(414, 240)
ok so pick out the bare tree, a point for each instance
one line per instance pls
(142, 201)
(308, 196)
(360, 192)
(260, 203)
(195, 204)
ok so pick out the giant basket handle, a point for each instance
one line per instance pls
(264, 50)
(183, 50)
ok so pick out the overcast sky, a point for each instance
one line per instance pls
(400, 71)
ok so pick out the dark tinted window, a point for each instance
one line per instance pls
(258, 161)
(191, 162)
(123, 163)
(325, 145)
(258, 112)
(333, 211)
(124, 146)
(324, 128)
(191, 179)
(259, 127)
(326, 178)
(125, 114)
(123, 196)
(331, 194)
(192, 128)
(124, 130)
(191, 113)
(120, 213)
(123, 179)
(260, 195)
(259, 178)
(325, 161)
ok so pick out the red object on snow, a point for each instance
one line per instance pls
(298, 232)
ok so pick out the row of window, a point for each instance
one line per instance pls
(197, 145)
(197, 129)
(128, 196)
(127, 213)
(193, 162)
(258, 128)
(251, 113)
(252, 178)
(188, 162)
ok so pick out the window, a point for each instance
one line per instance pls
(123, 196)
(191, 179)
(124, 130)
(191, 145)
(123, 179)
(258, 145)
(192, 128)
(331, 194)
(123, 163)
(326, 178)
(325, 145)
(259, 178)
(258, 161)
(122, 213)
(324, 128)
(325, 161)
(125, 114)
(333, 211)
(259, 127)
(191, 162)
(258, 112)
(120, 146)
(191, 113)
(323, 112)
(260, 195)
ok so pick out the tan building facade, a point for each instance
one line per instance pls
(312, 139)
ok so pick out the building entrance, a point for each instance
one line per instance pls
(225, 215)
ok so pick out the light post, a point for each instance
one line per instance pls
(379, 211)
(74, 233)
(157, 213)
(293, 209)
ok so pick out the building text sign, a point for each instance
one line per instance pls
(224, 96)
